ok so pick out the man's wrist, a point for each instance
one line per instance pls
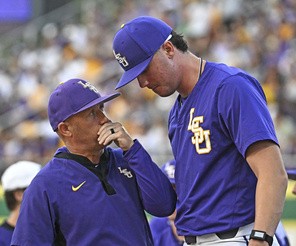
(128, 148)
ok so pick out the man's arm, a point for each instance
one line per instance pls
(265, 160)
(158, 196)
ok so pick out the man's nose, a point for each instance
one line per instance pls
(142, 81)
(103, 119)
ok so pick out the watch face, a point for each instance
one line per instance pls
(259, 234)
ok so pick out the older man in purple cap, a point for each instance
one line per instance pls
(89, 193)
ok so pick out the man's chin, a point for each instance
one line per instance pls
(161, 92)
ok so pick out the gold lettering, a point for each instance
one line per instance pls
(190, 120)
(200, 136)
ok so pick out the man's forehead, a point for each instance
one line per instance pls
(87, 111)
(99, 106)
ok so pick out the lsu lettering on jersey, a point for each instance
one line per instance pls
(210, 132)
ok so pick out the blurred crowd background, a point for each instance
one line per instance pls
(74, 39)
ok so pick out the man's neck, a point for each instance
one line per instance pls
(191, 71)
(93, 156)
(12, 218)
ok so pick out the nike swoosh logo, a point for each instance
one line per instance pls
(78, 187)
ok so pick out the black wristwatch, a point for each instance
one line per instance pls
(261, 236)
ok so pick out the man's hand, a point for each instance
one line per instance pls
(114, 131)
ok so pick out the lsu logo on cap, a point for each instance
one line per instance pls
(121, 59)
(88, 86)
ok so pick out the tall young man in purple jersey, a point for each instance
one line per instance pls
(230, 176)
(89, 193)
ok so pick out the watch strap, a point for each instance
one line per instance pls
(261, 236)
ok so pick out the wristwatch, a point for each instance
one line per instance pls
(261, 236)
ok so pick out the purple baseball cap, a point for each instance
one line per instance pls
(72, 97)
(291, 173)
(169, 170)
(135, 44)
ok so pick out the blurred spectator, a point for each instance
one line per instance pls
(258, 36)
(15, 179)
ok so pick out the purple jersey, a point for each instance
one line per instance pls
(210, 132)
(67, 199)
(5, 234)
(162, 232)
(157, 225)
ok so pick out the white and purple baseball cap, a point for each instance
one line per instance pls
(19, 175)
(135, 44)
(72, 97)
(169, 170)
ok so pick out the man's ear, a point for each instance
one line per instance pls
(18, 195)
(63, 129)
(169, 49)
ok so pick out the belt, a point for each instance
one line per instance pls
(190, 240)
